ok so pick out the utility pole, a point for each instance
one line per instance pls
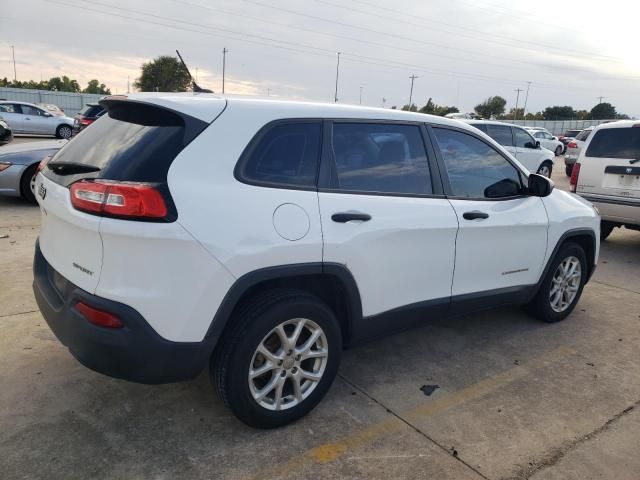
(224, 64)
(268, 92)
(335, 97)
(361, 95)
(515, 112)
(412, 77)
(599, 98)
(127, 83)
(13, 52)
(526, 98)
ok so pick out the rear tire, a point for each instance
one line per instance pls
(560, 291)
(605, 229)
(545, 169)
(26, 184)
(568, 169)
(286, 390)
(64, 131)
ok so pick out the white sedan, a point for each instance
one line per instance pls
(27, 118)
(548, 141)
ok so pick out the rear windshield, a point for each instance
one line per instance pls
(571, 133)
(133, 142)
(615, 143)
(91, 110)
(583, 135)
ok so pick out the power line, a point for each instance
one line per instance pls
(492, 36)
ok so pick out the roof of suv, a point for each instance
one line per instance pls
(618, 124)
(207, 106)
(492, 122)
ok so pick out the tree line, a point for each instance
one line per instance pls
(58, 84)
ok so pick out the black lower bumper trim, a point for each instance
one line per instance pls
(135, 352)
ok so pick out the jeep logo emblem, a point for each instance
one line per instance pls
(629, 170)
(42, 191)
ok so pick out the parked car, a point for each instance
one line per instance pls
(608, 174)
(316, 227)
(19, 163)
(89, 114)
(548, 141)
(6, 135)
(51, 108)
(573, 149)
(568, 136)
(519, 143)
(27, 118)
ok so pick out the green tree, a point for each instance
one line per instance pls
(163, 74)
(96, 87)
(64, 84)
(513, 114)
(492, 106)
(603, 111)
(583, 115)
(535, 116)
(413, 108)
(559, 113)
(434, 109)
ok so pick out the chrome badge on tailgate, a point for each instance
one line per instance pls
(42, 191)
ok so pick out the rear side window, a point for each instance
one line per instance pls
(501, 134)
(474, 168)
(285, 154)
(583, 135)
(384, 158)
(91, 110)
(134, 142)
(9, 108)
(615, 143)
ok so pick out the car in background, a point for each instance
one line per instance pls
(50, 107)
(6, 135)
(519, 143)
(568, 136)
(28, 118)
(89, 114)
(547, 140)
(607, 174)
(573, 149)
(463, 116)
(19, 166)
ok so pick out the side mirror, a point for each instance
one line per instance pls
(47, 114)
(539, 185)
(537, 143)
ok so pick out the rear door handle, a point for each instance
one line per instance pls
(474, 215)
(345, 217)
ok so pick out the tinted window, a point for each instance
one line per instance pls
(29, 110)
(480, 126)
(91, 110)
(374, 157)
(583, 135)
(501, 134)
(286, 154)
(615, 143)
(571, 133)
(523, 139)
(474, 168)
(133, 142)
(9, 108)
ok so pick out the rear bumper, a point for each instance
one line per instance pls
(616, 210)
(135, 352)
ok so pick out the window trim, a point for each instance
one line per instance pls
(445, 176)
(327, 177)
(257, 138)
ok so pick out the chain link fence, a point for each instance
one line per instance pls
(557, 127)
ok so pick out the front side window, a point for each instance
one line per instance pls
(29, 110)
(376, 157)
(523, 139)
(501, 134)
(615, 143)
(475, 169)
(286, 154)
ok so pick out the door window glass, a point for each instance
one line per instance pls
(501, 134)
(523, 139)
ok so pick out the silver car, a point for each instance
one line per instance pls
(28, 118)
(18, 165)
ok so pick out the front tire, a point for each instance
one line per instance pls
(279, 358)
(562, 286)
(558, 150)
(545, 169)
(27, 184)
(64, 132)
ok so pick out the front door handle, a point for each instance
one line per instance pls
(345, 217)
(474, 215)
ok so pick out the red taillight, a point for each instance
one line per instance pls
(573, 182)
(113, 199)
(86, 121)
(98, 317)
(572, 145)
(43, 163)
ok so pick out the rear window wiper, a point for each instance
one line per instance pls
(71, 168)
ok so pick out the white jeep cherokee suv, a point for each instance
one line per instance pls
(262, 237)
(607, 174)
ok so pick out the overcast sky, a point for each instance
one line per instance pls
(461, 50)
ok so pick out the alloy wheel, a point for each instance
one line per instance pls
(288, 364)
(565, 284)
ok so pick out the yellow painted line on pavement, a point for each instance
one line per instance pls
(329, 452)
